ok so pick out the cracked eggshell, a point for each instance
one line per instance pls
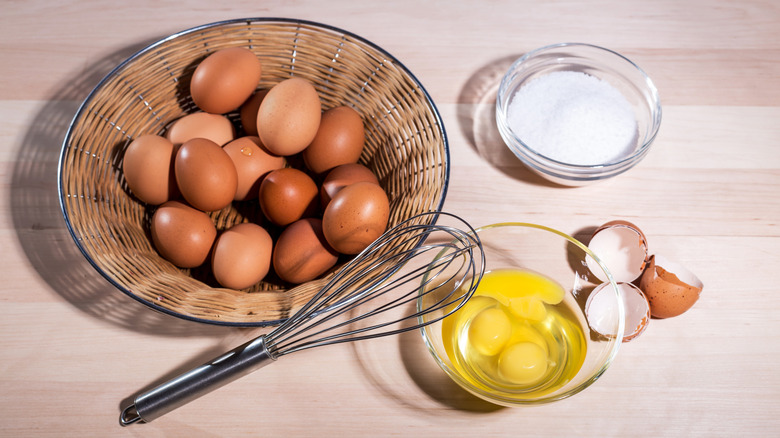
(671, 289)
(622, 248)
(602, 313)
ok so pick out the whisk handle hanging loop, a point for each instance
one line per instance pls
(197, 382)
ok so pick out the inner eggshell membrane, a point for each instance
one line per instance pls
(601, 310)
(622, 249)
(680, 271)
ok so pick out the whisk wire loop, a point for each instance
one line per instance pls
(438, 267)
(331, 317)
(362, 299)
(368, 261)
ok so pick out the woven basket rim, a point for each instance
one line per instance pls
(152, 46)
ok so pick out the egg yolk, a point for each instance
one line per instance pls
(526, 333)
(523, 363)
(530, 308)
(503, 285)
(489, 331)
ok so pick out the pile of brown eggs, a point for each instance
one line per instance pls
(327, 206)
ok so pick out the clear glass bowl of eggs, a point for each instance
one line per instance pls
(524, 337)
(577, 113)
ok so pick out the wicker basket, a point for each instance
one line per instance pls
(406, 147)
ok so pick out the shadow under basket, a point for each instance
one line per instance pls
(406, 147)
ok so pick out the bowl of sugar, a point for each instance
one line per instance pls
(577, 113)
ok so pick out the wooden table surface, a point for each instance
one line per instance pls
(74, 349)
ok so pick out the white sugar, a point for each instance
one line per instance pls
(574, 118)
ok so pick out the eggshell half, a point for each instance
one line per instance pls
(622, 248)
(601, 310)
(670, 288)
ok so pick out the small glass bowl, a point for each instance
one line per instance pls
(561, 258)
(615, 69)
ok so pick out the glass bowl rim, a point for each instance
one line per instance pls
(508, 401)
(520, 147)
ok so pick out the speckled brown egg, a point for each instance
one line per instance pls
(301, 253)
(148, 169)
(205, 174)
(225, 79)
(253, 161)
(214, 127)
(339, 140)
(242, 256)
(248, 112)
(287, 195)
(182, 234)
(355, 217)
(289, 116)
(342, 176)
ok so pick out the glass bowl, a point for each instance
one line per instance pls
(587, 132)
(524, 247)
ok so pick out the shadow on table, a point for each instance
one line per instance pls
(39, 224)
(476, 114)
(433, 381)
(402, 368)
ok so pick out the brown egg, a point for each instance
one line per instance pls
(339, 140)
(355, 217)
(225, 79)
(248, 111)
(214, 127)
(301, 253)
(289, 116)
(182, 234)
(205, 174)
(148, 169)
(670, 288)
(252, 161)
(342, 176)
(242, 256)
(287, 195)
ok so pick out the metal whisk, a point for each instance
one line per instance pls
(378, 293)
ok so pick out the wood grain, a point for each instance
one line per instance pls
(708, 196)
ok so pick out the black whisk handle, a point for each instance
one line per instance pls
(197, 382)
